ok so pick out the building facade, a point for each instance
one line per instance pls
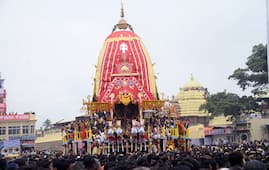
(50, 139)
(249, 128)
(219, 131)
(18, 126)
(17, 131)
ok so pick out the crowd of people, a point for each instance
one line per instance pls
(249, 156)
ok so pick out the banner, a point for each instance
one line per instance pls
(15, 117)
(10, 148)
(12, 143)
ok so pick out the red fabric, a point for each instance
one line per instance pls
(83, 131)
(111, 79)
(111, 138)
(181, 128)
(117, 34)
(146, 137)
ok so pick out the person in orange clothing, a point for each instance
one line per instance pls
(83, 130)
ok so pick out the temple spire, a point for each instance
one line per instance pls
(122, 24)
(122, 11)
(191, 77)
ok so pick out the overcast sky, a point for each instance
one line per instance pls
(48, 48)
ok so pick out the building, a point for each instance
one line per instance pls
(3, 107)
(17, 131)
(219, 131)
(250, 127)
(18, 126)
(190, 98)
(196, 133)
(51, 139)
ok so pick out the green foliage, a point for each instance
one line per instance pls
(47, 124)
(255, 74)
(249, 103)
(228, 104)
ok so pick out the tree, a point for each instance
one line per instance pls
(47, 124)
(255, 74)
(229, 104)
(249, 104)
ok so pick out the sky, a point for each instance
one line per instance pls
(48, 48)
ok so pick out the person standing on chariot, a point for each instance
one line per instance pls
(110, 131)
(134, 134)
(142, 138)
(126, 137)
(141, 130)
(156, 137)
(119, 137)
(102, 136)
(98, 139)
(110, 137)
(96, 142)
(156, 133)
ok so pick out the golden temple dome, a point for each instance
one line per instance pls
(190, 97)
(192, 83)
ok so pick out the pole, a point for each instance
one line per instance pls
(267, 39)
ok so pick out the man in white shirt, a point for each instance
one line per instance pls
(134, 130)
(110, 133)
(156, 133)
(119, 131)
(141, 130)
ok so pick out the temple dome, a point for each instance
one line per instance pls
(190, 97)
(192, 83)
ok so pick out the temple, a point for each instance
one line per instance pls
(190, 98)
